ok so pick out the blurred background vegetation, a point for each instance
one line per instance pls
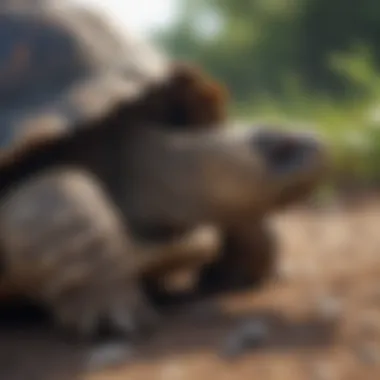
(298, 62)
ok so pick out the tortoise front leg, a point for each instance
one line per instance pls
(247, 260)
(186, 253)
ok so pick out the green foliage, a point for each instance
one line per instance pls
(257, 44)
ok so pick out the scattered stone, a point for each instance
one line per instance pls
(249, 335)
(109, 354)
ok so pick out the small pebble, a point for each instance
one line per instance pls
(329, 308)
(368, 354)
(249, 335)
(109, 355)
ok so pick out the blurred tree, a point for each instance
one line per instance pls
(326, 26)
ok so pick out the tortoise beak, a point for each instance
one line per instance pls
(287, 154)
(296, 161)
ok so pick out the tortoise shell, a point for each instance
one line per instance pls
(61, 64)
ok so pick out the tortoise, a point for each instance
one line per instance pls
(105, 141)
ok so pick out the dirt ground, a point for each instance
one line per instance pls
(318, 320)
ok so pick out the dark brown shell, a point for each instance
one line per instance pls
(61, 65)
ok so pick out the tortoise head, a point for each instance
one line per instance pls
(220, 175)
